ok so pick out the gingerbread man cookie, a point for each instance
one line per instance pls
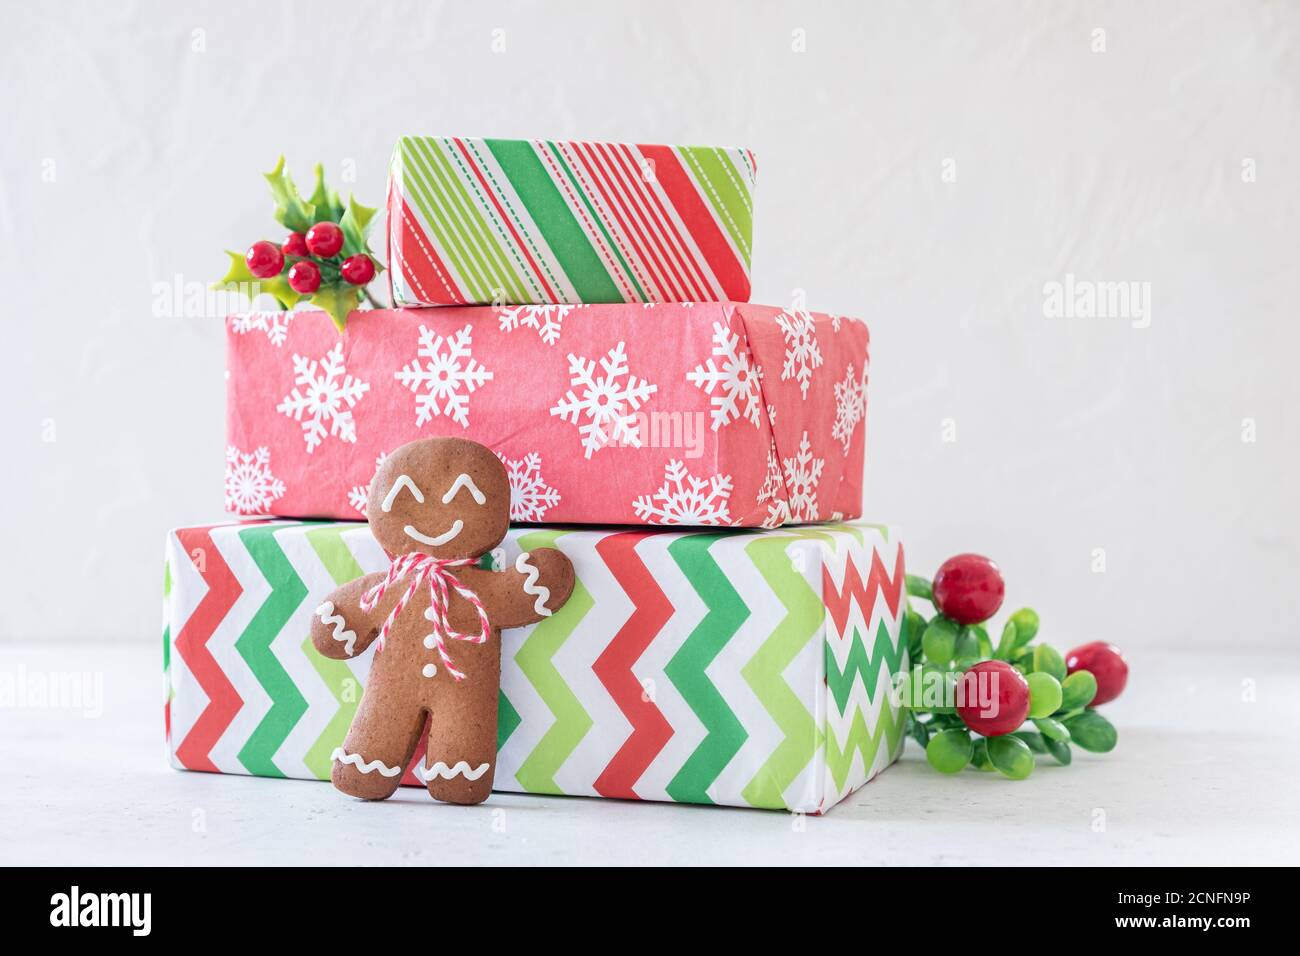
(435, 618)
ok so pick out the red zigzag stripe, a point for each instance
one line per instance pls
(838, 602)
(191, 643)
(650, 730)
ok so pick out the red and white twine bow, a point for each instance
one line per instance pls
(436, 571)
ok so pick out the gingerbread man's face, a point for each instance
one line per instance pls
(447, 497)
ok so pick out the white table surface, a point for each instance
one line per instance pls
(1205, 773)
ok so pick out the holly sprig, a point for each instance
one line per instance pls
(326, 260)
(943, 651)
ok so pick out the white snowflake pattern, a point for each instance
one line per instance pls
(359, 495)
(320, 392)
(686, 499)
(850, 407)
(835, 322)
(443, 376)
(736, 379)
(530, 496)
(778, 511)
(605, 411)
(250, 487)
(274, 324)
(802, 473)
(802, 353)
(547, 320)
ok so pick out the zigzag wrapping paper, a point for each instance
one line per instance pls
(535, 221)
(709, 414)
(730, 667)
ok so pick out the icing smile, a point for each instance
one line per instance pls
(449, 534)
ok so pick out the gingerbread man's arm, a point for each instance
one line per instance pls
(340, 629)
(534, 588)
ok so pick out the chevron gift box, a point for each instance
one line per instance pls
(749, 668)
(536, 221)
(715, 413)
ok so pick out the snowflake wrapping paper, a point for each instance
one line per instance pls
(742, 667)
(707, 414)
(537, 221)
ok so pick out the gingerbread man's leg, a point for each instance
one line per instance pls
(462, 755)
(377, 748)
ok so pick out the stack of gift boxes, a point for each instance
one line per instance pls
(581, 309)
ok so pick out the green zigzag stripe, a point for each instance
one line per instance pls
(763, 672)
(328, 544)
(726, 613)
(254, 646)
(507, 719)
(537, 772)
(167, 627)
(886, 652)
(889, 726)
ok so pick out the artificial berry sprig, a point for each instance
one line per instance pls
(325, 259)
(993, 708)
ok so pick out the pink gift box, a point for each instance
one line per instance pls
(697, 414)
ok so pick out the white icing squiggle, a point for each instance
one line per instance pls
(541, 592)
(464, 481)
(403, 481)
(416, 535)
(327, 617)
(342, 756)
(460, 769)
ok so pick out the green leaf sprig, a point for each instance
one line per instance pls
(1059, 717)
(335, 295)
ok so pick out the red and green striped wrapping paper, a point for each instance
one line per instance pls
(501, 221)
(747, 668)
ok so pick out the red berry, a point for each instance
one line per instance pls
(358, 270)
(993, 698)
(295, 245)
(325, 239)
(304, 277)
(968, 588)
(1106, 663)
(264, 260)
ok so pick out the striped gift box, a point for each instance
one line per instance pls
(749, 668)
(498, 221)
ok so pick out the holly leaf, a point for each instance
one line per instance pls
(324, 201)
(1048, 660)
(1033, 739)
(1026, 622)
(918, 587)
(239, 279)
(949, 751)
(917, 730)
(939, 640)
(290, 210)
(1091, 731)
(1011, 757)
(1059, 749)
(1078, 690)
(914, 626)
(1008, 642)
(355, 223)
(338, 299)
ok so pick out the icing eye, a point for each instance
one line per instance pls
(403, 481)
(464, 481)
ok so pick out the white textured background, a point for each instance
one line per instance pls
(133, 136)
